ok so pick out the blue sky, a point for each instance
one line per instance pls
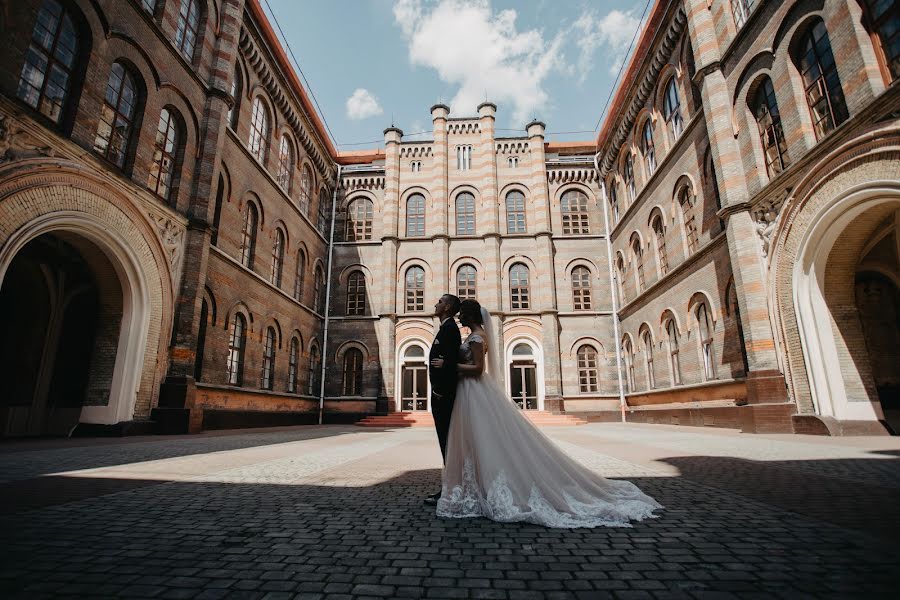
(371, 62)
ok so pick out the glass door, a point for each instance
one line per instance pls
(414, 391)
(523, 384)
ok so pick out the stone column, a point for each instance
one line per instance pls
(437, 211)
(389, 248)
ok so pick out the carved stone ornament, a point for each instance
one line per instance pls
(765, 215)
(171, 234)
(16, 144)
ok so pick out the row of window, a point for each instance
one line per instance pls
(188, 25)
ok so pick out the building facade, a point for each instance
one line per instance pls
(182, 247)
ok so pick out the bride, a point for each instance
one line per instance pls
(502, 467)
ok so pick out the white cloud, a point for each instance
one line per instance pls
(612, 31)
(362, 105)
(481, 52)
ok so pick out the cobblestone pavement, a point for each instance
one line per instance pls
(336, 512)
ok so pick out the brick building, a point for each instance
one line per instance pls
(182, 246)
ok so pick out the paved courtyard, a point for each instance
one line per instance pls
(336, 512)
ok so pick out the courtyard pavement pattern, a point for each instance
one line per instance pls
(336, 512)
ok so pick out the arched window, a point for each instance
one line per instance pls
(768, 121)
(306, 183)
(628, 355)
(465, 214)
(647, 342)
(588, 373)
(637, 255)
(574, 207)
(237, 342)
(359, 220)
(324, 202)
(415, 289)
(659, 233)
(415, 216)
(118, 116)
(293, 364)
(188, 28)
(285, 164)
(464, 158)
(353, 372)
(319, 291)
(620, 269)
(515, 212)
(672, 110)
(613, 195)
(628, 176)
(201, 341)
(686, 201)
(581, 288)
(259, 130)
(415, 166)
(824, 95)
(466, 285)
(166, 147)
(248, 236)
(277, 258)
(300, 275)
(512, 162)
(884, 20)
(268, 362)
(312, 379)
(705, 339)
(740, 10)
(672, 342)
(237, 89)
(46, 80)
(519, 289)
(648, 148)
(356, 294)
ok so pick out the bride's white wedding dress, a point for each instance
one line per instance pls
(502, 467)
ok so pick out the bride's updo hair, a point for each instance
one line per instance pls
(470, 313)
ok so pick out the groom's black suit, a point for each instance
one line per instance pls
(444, 380)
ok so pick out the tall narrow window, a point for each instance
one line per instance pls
(293, 365)
(167, 142)
(324, 203)
(237, 89)
(285, 164)
(637, 255)
(464, 158)
(117, 116)
(201, 341)
(648, 149)
(277, 258)
(188, 28)
(513, 162)
(515, 212)
(259, 130)
(885, 22)
(306, 183)
(824, 95)
(237, 342)
(415, 216)
(356, 294)
(648, 359)
(686, 202)
(415, 166)
(415, 289)
(628, 176)
(574, 207)
(662, 258)
(620, 271)
(628, 355)
(672, 110)
(46, 79)
(672, 341)
(519, 288)
(319, 291)
(312, 379)
(588, 373)
(359, 220)
(581, 288)
(465, 214)
(466, 283)
(740, 10)
(613, 195)
(300, 275)
(268, 363)
(248, 236)
(705, 339)
(353, 372)
(768, 121)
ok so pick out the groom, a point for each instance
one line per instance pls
(444, 378)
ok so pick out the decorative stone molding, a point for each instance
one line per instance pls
(765, 215)
(560, 176)
(463, 127)
(415, 151)
(16, 144)
(171, 235)
(521, 147)
(362, 183)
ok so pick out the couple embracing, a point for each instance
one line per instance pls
(496, 463)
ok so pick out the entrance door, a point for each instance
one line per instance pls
(523, 384)
(414, 380)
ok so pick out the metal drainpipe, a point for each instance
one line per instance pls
(612, 288)
(337, 183)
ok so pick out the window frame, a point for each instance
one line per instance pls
(672, 109)
(237, 346)
(414, 289)
(415, 221)
(258, 142)
(581, 288)
(771, 135)
(285, 163)
(248, 236)
(588, 363)
(573, 205)
(465, 214)
(293, 365)
(187, 45)
(466, 288)
(267, 376)
(352, 372)
(356, 294)
(278, 247)
(831, 98)
(518, 215)
(105, 145)
(519, 287)
(360, 215)
(159, 176)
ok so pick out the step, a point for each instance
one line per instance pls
(424, 419)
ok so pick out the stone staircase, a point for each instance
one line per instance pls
(424, 419)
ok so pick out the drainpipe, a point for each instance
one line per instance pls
(612, 289)
(337, 183)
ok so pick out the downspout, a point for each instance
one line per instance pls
(337, 184)
(612, 289)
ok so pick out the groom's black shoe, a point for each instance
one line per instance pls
(432, 500)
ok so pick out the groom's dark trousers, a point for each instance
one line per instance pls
(444, 380)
